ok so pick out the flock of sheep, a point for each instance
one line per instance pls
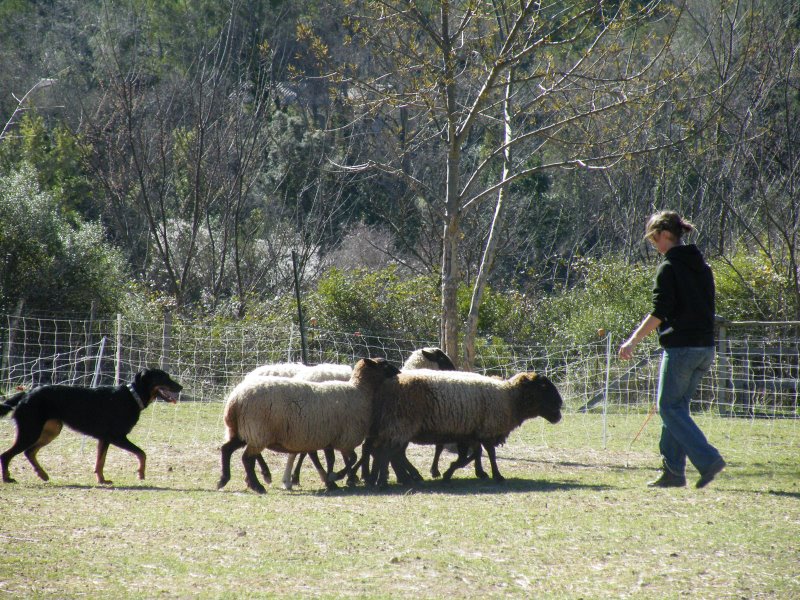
(299, 410)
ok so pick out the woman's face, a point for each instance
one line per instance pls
(662, 241)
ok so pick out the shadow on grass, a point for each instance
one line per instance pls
(457, 487)
(578, 465)
(129, 488)
(784, 494)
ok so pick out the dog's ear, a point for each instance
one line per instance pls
(137, 379)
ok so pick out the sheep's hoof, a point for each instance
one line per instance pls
(499, 478)
(435, 473)
(331, 486)
(256, 487)
(482, 475)
(222, 483)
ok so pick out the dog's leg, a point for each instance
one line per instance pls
(50, 432)
(27, 434)
(102, 450)
(128, 445)
(227, 449)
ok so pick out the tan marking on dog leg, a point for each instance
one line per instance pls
(142, 460)
(102, 449)
(50, 432)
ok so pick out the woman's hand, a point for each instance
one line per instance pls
(626, 350)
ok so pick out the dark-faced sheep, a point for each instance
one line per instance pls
(293, 416)
(422, 358)
(440, 407)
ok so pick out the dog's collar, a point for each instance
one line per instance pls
(136, 396)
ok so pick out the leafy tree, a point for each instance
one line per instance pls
(571, 84)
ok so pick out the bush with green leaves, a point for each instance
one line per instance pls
(48, 263)
(375, 302)
(749, 288)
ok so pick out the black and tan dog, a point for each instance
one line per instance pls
(107, 413)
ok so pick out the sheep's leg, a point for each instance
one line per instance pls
(330, 476)
(352, 476)
(463, 459)
(379, 470)
(349, 467)
(363, 462)
(350, 458)
(228, 448)
(405, 471)
(493, 460)
(262, 464)
(323, 473)
(288, 480)
(435, 464)
(296, 474)
(476, 455)
(251, 479)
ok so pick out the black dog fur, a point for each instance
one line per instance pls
(107, 413)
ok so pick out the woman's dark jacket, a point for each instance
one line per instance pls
(683, 298)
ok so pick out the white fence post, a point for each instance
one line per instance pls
(608, 381)
(118, 358)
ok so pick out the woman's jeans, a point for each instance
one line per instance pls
(681, 372)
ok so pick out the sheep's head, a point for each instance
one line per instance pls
(439, 358)
(373, 372)
(539, 397)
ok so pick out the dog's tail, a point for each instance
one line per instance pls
(10, 403)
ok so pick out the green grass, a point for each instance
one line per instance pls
(573, 520)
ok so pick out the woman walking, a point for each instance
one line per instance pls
(683, 314)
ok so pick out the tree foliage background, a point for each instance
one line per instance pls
(186, 149)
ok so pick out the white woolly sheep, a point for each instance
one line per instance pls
(433, 407)
(293, 416)
(429, 358)
(319, 372)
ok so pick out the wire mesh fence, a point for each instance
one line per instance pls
(755, 374)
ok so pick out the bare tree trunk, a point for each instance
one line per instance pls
(490, 251)
(451, 273)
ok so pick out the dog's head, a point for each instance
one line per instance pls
(155, 383)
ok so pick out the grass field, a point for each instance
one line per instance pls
(573, 520)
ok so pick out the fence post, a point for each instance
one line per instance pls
(608, 381)
(12, 330)
(118, 358)
(166, 341)
(87, 367)
(724, 403)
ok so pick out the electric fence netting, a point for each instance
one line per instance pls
(754, 376)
